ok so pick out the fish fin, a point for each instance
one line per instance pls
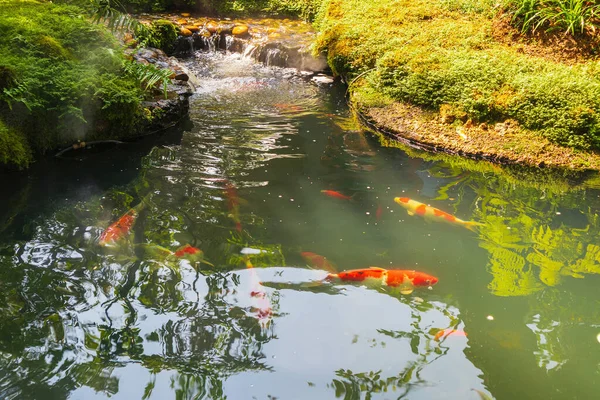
(376, 268)
(483, 395)
(410, 212)
(471, 225)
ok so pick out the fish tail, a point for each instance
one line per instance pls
(472, 225)
(207, 263)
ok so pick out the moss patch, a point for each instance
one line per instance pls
(61, 78)
(439, 55)
(14, 150)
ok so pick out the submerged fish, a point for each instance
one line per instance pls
(414, 207)
(260, 301)
(443, 333)
(405, 279)
(337, 195)
(233, 204)
(191, 253)
(318, 261)
(118, 229)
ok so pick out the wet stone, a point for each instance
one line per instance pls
(322, 79)
(185, 32)
(240, 30)
(211, 26)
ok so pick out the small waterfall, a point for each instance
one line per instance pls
(228, 42)
(190, 41)
(249, 50)
(275, 57)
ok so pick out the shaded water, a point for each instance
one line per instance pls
(244, 185)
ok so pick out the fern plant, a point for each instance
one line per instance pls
(148, 75)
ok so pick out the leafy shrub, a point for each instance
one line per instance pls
(61, 76)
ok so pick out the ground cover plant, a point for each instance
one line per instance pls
(440, 57)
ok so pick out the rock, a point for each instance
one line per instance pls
(162, 64)
(240, 30)
(225, 28)
(322, 79)
(204, 33)
(185, 32)
(211, 26)
(186, 15)
(182, 76)
(192, 28)
(182, 21)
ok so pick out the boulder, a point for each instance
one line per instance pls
(212, 27)
(185, 32)
(240, 30)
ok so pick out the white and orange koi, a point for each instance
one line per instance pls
(261, 304)
(414, 207)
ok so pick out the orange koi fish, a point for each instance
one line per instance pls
(443, 333)
(388, 277)
(233, 203)
(414, 207)
(337, 195)
(261, 303)
(317, 261)
(118, 229)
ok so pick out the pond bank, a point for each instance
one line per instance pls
(444, 77)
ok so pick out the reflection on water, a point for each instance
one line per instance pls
(248, 313)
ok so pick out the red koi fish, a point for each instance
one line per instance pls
(388, 277)
(414, 207)
(192, 254)
(443, 333)
(260, 301)
(118, 229)
(317, 261)
(337, 195)
(187, 249)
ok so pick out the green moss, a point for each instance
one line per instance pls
(160, 34)
(14, 150)
(62, 77)
(434, 53)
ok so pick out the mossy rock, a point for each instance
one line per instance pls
(160, 34)
(8, 77)
(14, 149)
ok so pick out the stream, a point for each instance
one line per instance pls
(515, 313)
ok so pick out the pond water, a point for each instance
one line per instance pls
(515, 313)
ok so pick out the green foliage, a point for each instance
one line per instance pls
(14, 149)
(148, 75)
(573, 17)
(426, 54)
(161, 34)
